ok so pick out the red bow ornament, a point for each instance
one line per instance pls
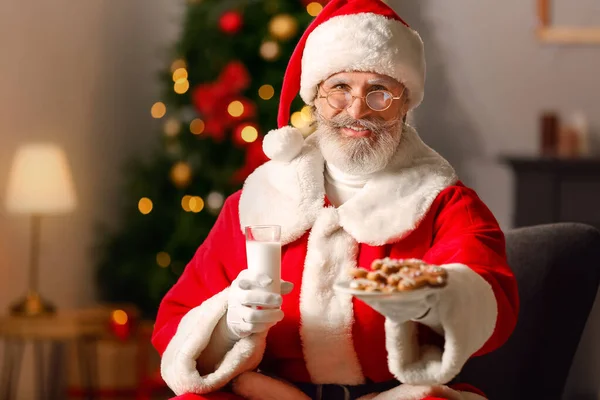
(213, 99)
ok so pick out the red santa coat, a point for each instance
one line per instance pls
(415, 208)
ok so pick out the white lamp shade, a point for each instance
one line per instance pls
(40, 181)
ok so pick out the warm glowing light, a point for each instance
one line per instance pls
(145, 205)
(172, 127)
(119, 317)
(158, 110)
(197, 126)
(215, 200)
(181, 173)
(269, 50)
(235, 108)
(249, 134)
(307, 114)
(185, 203)
(180, 74)
(177, 64)
(163, 259)
(266, 92)
(297, 120)
(196, 204)
(283, 26)
(181, 86)
(314, 9)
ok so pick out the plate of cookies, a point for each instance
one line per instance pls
(391, 278)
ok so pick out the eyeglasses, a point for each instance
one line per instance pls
(377, 100)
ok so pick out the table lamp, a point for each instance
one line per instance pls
(39, 184)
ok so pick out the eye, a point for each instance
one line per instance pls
(341, 86)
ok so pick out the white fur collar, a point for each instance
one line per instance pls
(390, 205)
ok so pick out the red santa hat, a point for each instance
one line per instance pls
(347, 35)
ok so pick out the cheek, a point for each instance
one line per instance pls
(329, 112)
(391, 113)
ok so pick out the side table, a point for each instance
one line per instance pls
(548, 190)
(55, 331)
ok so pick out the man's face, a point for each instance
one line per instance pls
(358, 139)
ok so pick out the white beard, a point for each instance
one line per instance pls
(362, 155)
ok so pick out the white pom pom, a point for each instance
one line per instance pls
(283, 144)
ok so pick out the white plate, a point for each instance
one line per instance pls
(344, 287)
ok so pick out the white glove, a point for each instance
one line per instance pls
(250, 309)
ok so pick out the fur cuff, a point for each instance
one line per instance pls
(467, 310)
(178, 364)
(283, 144)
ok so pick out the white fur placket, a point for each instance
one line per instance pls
(327, 316)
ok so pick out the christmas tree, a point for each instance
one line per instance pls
(220, 98)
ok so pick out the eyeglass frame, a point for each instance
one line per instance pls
(359, 97)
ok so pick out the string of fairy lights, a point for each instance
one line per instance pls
(282, 27)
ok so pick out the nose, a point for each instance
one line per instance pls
(359, 108)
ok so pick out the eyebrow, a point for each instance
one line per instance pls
(381, 81)
(377, 81)
(336, 81)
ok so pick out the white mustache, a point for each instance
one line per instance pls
(375, 125)
(361, 155)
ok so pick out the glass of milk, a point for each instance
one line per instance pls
(263, 252)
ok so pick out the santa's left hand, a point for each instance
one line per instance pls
(397, 309)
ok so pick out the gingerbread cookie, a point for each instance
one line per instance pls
(392, 275)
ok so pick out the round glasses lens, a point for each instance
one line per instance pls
(339, 99)
(379, 100)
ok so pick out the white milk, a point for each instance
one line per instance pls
(265, 257)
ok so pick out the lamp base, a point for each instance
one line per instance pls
(32, 306)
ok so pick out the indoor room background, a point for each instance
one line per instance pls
(83, 74)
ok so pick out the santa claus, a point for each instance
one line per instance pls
(362, 187)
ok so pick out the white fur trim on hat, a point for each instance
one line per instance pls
(365, 42)
(283, 144)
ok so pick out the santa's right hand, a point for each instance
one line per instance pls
(251, 310)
